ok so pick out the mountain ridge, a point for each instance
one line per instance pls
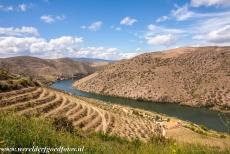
(45, 70)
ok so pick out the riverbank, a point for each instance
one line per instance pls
(201, 116)
(222, 110)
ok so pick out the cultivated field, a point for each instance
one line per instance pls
(95, 116)
(50, 103)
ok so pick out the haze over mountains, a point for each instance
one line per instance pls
(190, 76)
(47, 70)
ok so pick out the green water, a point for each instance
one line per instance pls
(208, 118)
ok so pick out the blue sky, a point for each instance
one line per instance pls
(109, 29)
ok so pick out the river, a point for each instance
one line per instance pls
(201, 116)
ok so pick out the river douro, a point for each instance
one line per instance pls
(201, 116)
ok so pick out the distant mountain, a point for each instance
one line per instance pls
(98, 64)
(92, 60)
(46, 70)
(189, 76)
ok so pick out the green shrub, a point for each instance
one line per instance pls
(203, 127)
(62, 123)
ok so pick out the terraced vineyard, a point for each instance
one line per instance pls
(50, 103)
(96, 116)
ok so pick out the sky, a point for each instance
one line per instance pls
(109, 29)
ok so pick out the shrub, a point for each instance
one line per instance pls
(203, 127)
(62, 123)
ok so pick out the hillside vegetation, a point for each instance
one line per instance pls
(19, 131)
(189, 76)
(46, 70)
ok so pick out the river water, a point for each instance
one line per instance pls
(201, 116)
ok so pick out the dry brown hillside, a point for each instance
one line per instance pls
(45, 70)
(190, 76)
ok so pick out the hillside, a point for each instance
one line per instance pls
(190, 76)
(10, 81)
(46, 70)
(87, 116)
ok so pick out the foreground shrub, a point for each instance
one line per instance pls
(62, 123)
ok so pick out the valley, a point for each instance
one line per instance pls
(115, 77)
(90, 115)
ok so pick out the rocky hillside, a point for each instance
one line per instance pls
(46, 70)
(190, 76)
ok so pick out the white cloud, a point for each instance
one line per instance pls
(65, 46)
(15, 42)
(162, 18)
(95, 26)
(138, 49)
(165, 40)
(97, 52)
(128, 21)
(162, 36)
(22, 7)
(116, 28)
(47, 18)
(6, 8)
(197, 3)
(38, 46)
(128, 55)
(182, 13)
(210, 28)
(23, 31)
(153, 29)
(51, 19)
(83, 27)
(62, 17)
(25, 41)
(221, 35)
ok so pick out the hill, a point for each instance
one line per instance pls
(10, 81)
(189, 76)
(46, 70)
